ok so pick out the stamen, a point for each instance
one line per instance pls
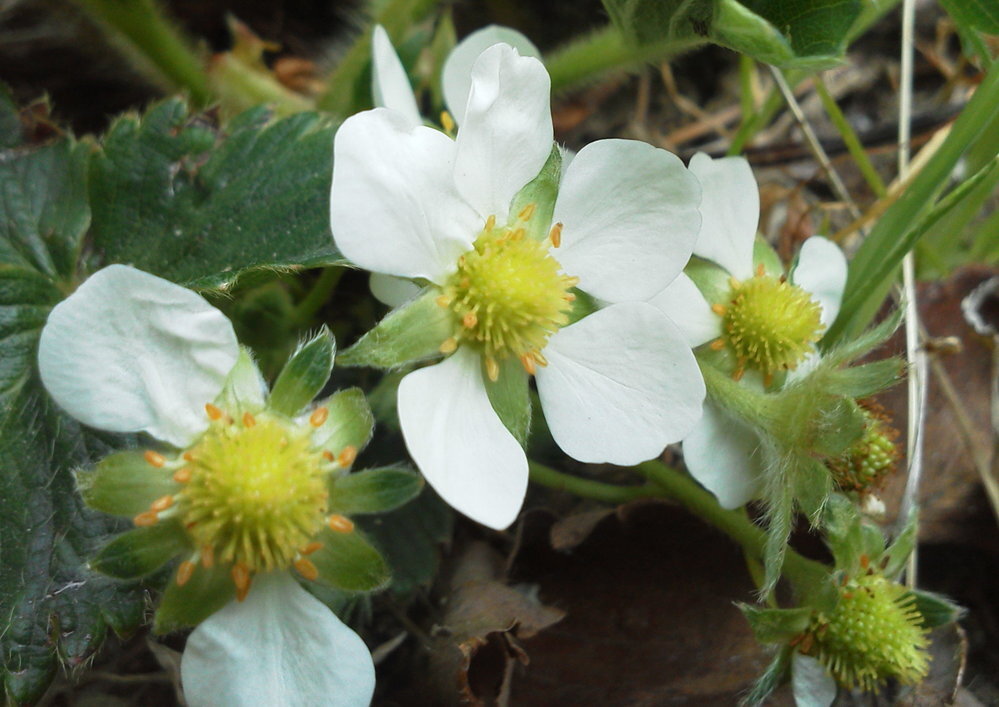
(443, 301)
(469, 320)
(760, 270)
(490, 223)
(447, 122)
(717, 344)
(182, 475)
(527, 361)
(161, 503)
(719, 309)
(537, 356)
(319, 416)
(146, 519)
(518, 234)
(207, 557)
(184, 572)
(569, 297)
(154, 458)
(555, 235)
(739, 373)
(311, 548)
(249, 420)
(328, 456)
(347, 456)
(213, 412)
(188, 456)
(241, 578)
(492, 369)
(526, 212)
(450, 345)
(340, 524)
(306, 568)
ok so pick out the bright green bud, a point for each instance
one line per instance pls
(872, 458)
(874, 633)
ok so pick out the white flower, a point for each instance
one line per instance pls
(130, 352)
(409, 201)
(774, 329)
(811, 683)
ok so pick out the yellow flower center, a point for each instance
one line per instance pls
(508, 295)
(875, 633)
(769, 324)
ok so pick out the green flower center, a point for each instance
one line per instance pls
(769, 324)
(256, 493)
(508, 295)
(874, 633)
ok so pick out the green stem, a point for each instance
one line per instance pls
(587, 58)
(320, 293)
(798, 570)
(587, 488)
(850, 138)
(159, 46)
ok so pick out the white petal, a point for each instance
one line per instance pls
(811, 683)
(724, 456)
(394, 208)
(456, 77)
(821, 270)
(684, 304)
(130, 352)
(281, 646)
(630, 219)
(389, 84)
(391, 290)
(730, 205)
(620, 385)
(506, 135)
(459, 443)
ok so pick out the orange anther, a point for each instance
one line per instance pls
(490, 222)
(527, 361)
(864, 561)
(306, 568)
(717, 344)
(328, 456)
(188, 456)
(738, 373)
(443, 301)
(518, 234)
(182, 475)
(569, 297)
(760, 270)
(184, 572)
(492, 369)
(241, 578)
(447, 122)
(146, 519)
(310, 548)
(555, 235)
(340, 524)
(469, 320)
(526, 212)
(208, 557)
(154, 458)
(161, 503)
(450, 345)
(319, 416)
(719, 309)
(213, 412)
(249, 420)
(347, 455)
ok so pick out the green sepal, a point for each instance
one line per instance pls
(244, 389)
(444, 39)
(349, 423)
(374, 490)
(412, 332)
(124, 484)
(839, 423)
(584, 305)
(142, 551)
(207, 591)
(542, 192)
(510, 397)
(765, 255)
(776, 625)
(711, 279)
(304, 375)
(348, 561)
(811, 483)
(897, 554)
(936, 609)
(850, 537)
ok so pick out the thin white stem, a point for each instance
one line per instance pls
(918, 380)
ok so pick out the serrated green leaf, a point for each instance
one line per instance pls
(51, 603)
(776, 625)
(124, 484)
(142, 551)
(170, 199)
(348, 561)
(207, 591)
(412, 332)
(374, 490)
(510, 397)
(936, 609)
(349, 423)
(304, 375)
